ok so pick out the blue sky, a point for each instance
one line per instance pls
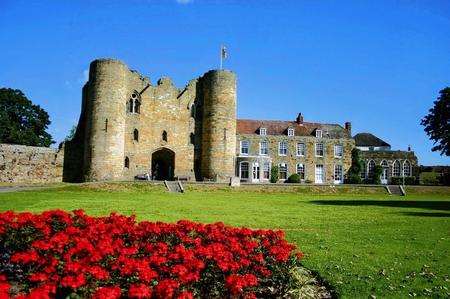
(378, 64)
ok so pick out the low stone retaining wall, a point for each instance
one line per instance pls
(30, 164)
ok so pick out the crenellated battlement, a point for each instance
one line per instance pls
(128, 126)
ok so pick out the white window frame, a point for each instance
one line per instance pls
(291, 132)
(316, 167)
(261, 148)
(285, 148)
(299, 168)
(279, 170)
(409, 168)
(262, 131)
(336, 146)
(340, 179)
(248, 170)
(301, 153)
(319, 133)
(266, 169)
(394, 174)
(248, 147)
(323, 149)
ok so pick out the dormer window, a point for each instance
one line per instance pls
(290, 132)
(319, 133)
(263, 131)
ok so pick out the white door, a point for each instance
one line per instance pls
(319, 174)
(384, 176)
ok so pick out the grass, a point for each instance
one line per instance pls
(361, 244)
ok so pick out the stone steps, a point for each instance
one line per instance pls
(174, 186)
(396, 190)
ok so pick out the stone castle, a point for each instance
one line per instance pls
(129, 127)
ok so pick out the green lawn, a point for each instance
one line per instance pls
(360, 244)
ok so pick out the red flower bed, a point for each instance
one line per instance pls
(58, 254)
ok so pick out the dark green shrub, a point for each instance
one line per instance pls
(429, 178)
(293, 178)
(409, 180)
(354, 173)
(274, 174)
(377, 174)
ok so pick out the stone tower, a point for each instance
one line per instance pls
(219, 125)
(105, 126)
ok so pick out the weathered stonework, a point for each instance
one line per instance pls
(166, 132)
(30, 164)
(309, 160)
(386, 159)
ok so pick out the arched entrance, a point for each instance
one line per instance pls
(163, 164)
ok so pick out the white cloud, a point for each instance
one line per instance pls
(184, 1)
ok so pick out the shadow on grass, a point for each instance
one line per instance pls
(428, 204)
(427, 214)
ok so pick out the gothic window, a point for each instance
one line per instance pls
(406, 168)
(164, 136)
(396, 168)
(127, 162)
(370, 169)
(136, 135)
(106, 125)
(134, 104)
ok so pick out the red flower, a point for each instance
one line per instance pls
(139, 291)
(236, 283)
(107, 293)
(185, 295)
(166, 288)
(73, 281)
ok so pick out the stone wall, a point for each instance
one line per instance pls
(115, 141)
(309, 160)
(30, 164)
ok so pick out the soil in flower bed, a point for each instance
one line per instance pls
(60, 254)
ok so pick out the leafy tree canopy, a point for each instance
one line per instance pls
(437, 123)
(22, 122)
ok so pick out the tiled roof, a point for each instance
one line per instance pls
(276, 127)
(367, 139)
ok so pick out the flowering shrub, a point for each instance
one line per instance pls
(60, 254)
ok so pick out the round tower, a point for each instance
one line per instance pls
(105, 120)
(219, 125)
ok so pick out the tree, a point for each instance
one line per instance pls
(377, 170)
(437, 123)
(354, 173)
(71, 134)
(274, 174)
(22, 122)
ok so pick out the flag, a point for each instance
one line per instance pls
(224, 52)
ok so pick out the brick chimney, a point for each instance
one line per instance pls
(348, 127)
(299, 119)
